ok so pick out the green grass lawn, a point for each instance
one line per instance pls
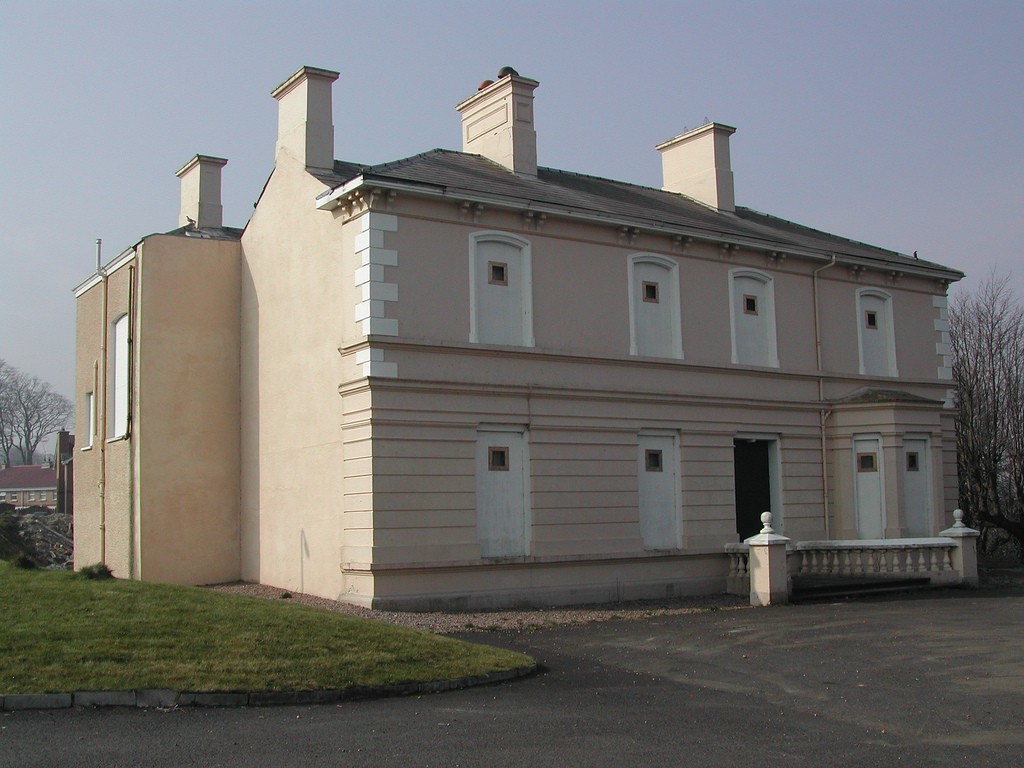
(60, 632)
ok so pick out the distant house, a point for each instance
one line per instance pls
(462, 378)
(29, 486)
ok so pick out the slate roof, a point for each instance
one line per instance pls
(477, 178)
(29, 478)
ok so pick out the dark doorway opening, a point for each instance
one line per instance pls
(753, 484)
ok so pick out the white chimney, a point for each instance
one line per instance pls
(200, 192)
(497, 122)
(696, 164)
(305, 127)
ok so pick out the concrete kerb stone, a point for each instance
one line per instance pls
(213, 700)
(156, 697)
(167, 698)
(16, 701)
(104, 698)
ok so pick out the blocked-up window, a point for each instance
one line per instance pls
(502, 500)
(752, 298)
(658, 491)
(655, 329)
(500, 290)
(875, 333)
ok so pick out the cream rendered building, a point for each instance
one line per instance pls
(464, 379)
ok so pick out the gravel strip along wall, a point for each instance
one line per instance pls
(448, 623)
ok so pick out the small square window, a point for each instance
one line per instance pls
(866, 462)
(913, 462)
(870, 319)
(750, 304)
(497, 273)
(497, 459)
(651, 292)
(653, 461)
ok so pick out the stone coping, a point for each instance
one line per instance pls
(167, 698)
(741, 547)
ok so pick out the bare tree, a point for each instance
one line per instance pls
(29, 411)
(8, 375)
(987, 335)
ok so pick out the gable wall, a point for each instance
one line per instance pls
(297, 300)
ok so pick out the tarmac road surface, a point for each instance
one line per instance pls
(933, 680)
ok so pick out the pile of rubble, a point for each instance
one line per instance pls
(43, 534)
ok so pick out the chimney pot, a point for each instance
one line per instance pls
(200, 192)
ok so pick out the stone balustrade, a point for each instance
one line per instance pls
(931, 557)
(947, 559)
(738, 580)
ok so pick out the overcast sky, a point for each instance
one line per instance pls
(898, 124)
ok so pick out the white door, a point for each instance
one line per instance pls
(917, 506)
(659, 515)
(502, 524)
(867, 468)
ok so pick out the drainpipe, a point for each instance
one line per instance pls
(101, 397)
(823, 414)
(130, 431)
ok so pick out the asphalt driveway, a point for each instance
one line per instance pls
(933, 680)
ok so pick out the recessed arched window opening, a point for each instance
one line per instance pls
(119, 380)
(655, 326)
(876, 338)
(752, 318)
(500, 289)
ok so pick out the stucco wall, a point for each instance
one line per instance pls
(188, 406)
(583, 401)
(103, 471)
(297, 308)
(161, 503)
(580, 297)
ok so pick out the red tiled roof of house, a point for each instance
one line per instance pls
(28, 478)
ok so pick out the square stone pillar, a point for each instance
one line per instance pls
(769, 572)
(965, 555)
